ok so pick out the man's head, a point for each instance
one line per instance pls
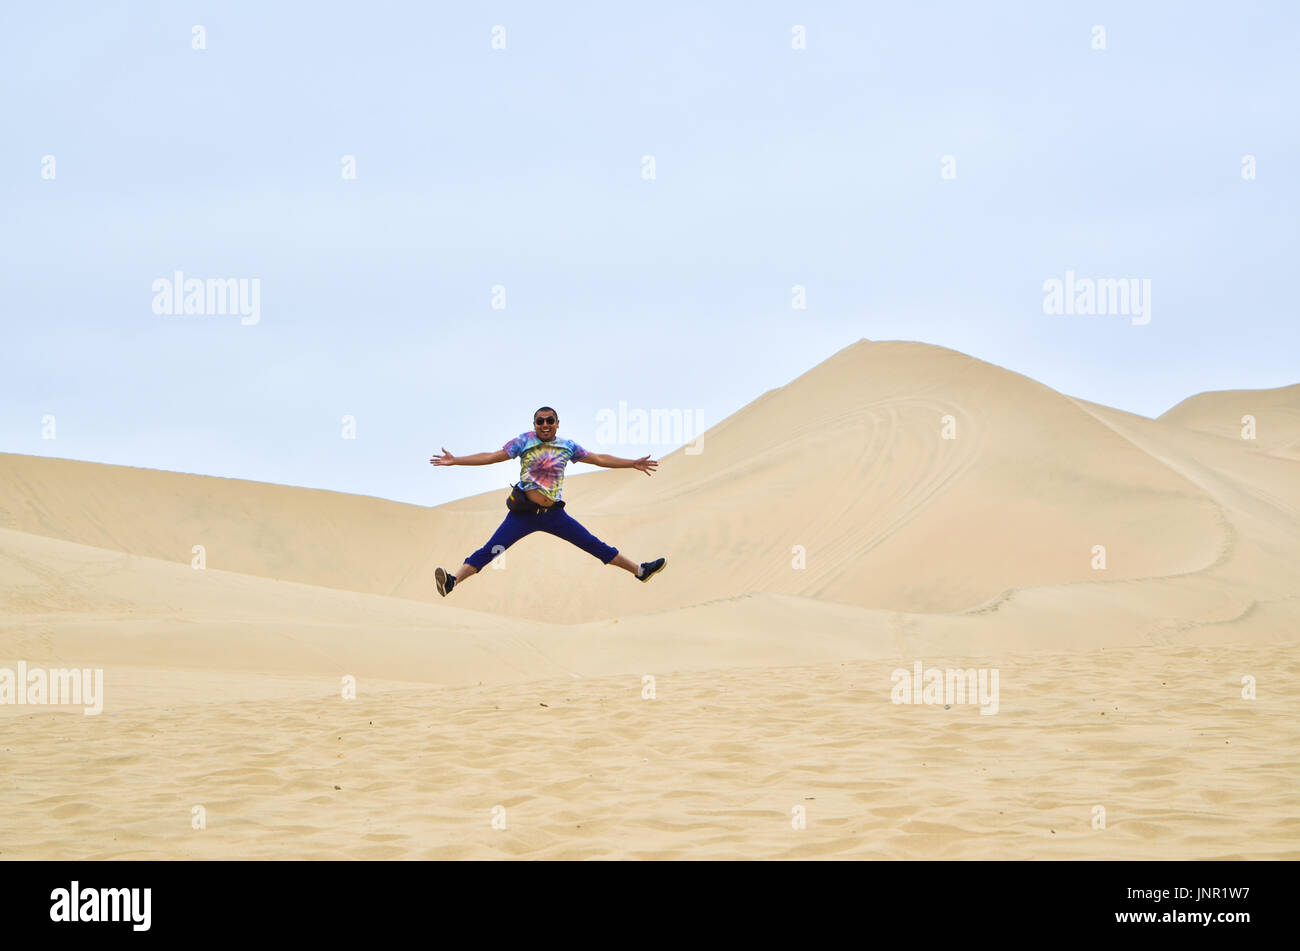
(545, 422)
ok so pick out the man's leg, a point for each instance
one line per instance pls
(508, 532)
(562, 525)
(626, 564)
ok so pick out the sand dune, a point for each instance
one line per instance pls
(274, 531)
(848, 462)
(524, 689)
(1276, 415)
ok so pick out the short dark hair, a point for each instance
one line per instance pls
(551, 408)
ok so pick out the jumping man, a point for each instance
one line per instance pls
(535, 504)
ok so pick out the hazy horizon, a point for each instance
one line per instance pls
(564, 433)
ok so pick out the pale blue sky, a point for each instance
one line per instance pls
(522, 167)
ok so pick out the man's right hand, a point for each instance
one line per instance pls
(474, 459)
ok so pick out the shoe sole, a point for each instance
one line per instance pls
(655, 572)
(440, 578)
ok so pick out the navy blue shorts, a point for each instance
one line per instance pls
(555, 522)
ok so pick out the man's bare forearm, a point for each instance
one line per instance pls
(608, 462)
(478, 459)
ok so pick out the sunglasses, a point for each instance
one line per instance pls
(544, 420)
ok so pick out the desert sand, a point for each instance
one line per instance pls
(1130, 580)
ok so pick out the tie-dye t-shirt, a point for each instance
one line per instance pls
(541, 464)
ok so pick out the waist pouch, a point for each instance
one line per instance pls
(519, 503)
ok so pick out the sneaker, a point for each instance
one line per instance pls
(649, 568)
(444, 581)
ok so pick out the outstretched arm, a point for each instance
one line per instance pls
(645, 463)
(478, 459)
